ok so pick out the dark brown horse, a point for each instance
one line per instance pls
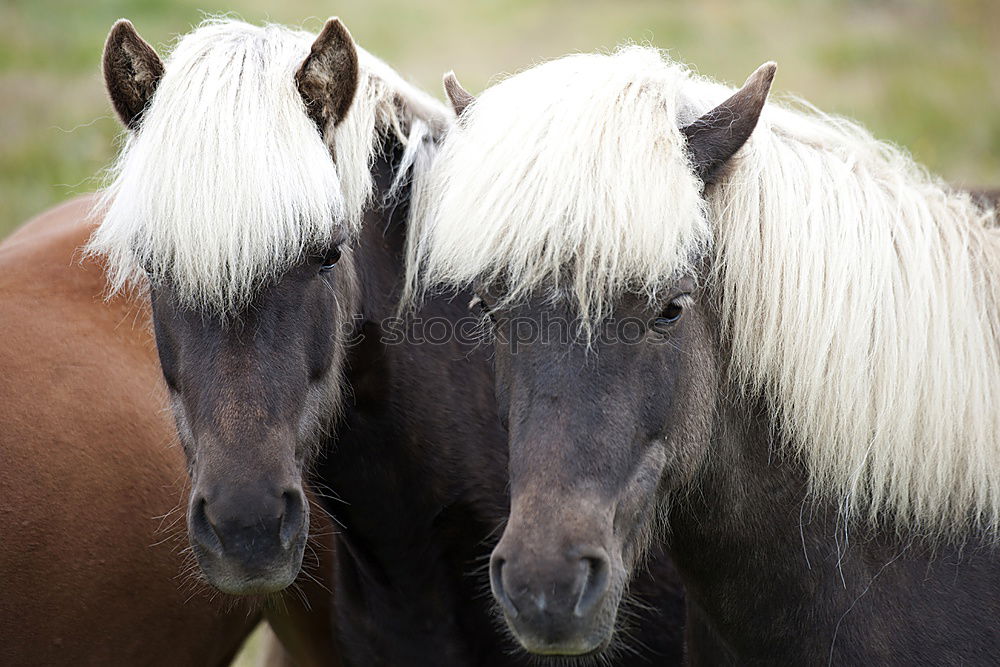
(694, 387)
(415, 472)
(92, 556)
(419, 469)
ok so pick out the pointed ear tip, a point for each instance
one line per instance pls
(121, 25)
(763, 75)
(334, 24)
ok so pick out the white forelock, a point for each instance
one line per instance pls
(228, 181)
(569, 165)
(859, 294)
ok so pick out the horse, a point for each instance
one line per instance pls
(419, 468)
(92, 559)
(273, 279)
(781, 358)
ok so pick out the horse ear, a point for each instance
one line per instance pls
(132, 70)
(328, 78)
(716, 136)
(460, 98)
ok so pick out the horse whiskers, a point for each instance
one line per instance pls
(497, 530)
(296, 590)
(329, 497)
(630, 614)
(636, 606)
(322, 490)
(319, 506)
(168, 513)
(190, 574)
(332, 518)
(172, 536)
(171, 531)
(320, 544)
(314, 579)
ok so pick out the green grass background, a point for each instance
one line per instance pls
(924, 74)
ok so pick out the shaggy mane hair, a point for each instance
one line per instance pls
(228, 181)
(858, 294)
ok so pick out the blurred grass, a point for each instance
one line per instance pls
(917, 73)
(253, 648)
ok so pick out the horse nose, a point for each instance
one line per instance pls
(551, 605)
(248, 527)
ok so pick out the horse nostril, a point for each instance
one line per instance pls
(202, 529)
(292, 518)
(596, 578)
(499, 590)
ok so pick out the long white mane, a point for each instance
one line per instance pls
(228, 181)
(859, 295)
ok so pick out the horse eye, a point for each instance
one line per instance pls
(670, 314)
(331, 259)
(477, 303)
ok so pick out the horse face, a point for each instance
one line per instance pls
(599, 434)
(252, 393)
(252, 388)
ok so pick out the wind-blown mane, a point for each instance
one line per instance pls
(858, 294)
(228, 181)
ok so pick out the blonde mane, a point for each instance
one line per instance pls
(228, 181)
(858, 294)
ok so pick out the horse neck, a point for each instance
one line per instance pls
(379, 249)
(738, 532)
(418, 461)
(750, 531)
(417, 377)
